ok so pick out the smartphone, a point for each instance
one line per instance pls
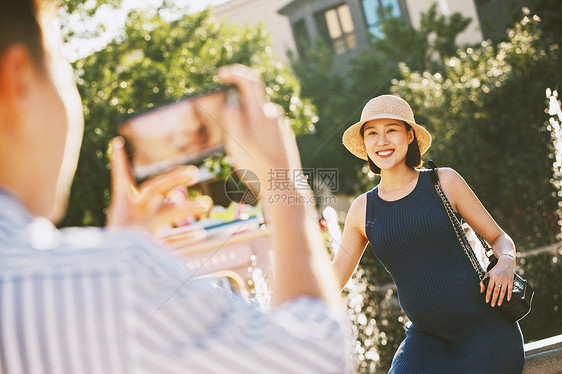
(184, 132)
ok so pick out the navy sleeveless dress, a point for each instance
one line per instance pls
(452, 329)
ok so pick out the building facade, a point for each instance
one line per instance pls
(347, 25)
(252, 12)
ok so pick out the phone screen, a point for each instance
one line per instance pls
(184, 132)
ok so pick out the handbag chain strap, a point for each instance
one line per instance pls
(461, 236)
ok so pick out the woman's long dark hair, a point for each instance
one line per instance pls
(413, 156)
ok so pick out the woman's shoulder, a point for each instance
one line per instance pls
(454, 185)
(449, 176)
(356, 213)
(358, 207)
(359, 204)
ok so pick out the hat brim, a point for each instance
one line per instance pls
(353, 141)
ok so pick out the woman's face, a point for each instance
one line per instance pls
(387, 141)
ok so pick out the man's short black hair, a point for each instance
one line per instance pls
(19, 24)
(413, 156)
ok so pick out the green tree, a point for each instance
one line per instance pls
(485, 108)
(339, 96)
(156, 61)
(486, 113)
(86, 7)
(321, 148)
(83, 11)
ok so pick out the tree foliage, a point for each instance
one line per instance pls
(154, 62)
(481, 103)
(321, 148)
(485, 107)
(486, 111)
(88, 8)
(83, 12)
(340, 97)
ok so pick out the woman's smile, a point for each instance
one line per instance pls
(385, 153)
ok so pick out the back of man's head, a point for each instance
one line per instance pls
(19, 23)
(41, 118)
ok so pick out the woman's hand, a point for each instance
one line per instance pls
(501, 281)
(146, 206)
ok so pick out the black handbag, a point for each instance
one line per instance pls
(522, 293)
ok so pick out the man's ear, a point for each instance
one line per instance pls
(17, 74)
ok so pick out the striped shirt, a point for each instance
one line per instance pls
(111, 301)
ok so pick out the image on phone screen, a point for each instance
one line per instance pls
(183, 132)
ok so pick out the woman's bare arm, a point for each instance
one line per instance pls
(353, 242)
(465, 202)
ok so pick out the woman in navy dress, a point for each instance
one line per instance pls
(455, 327)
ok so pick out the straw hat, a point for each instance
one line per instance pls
(384, 106)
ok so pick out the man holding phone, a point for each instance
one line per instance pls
(111, 301)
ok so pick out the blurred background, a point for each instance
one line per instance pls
(482, 76)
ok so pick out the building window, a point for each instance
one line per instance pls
(374, 9)
(336, 26)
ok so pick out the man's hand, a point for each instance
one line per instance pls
(259, 139)
(146, 206)
(258, 136)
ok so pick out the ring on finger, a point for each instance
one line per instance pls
(498, 285)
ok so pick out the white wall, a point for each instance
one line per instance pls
(467, 8)
(253, 11)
